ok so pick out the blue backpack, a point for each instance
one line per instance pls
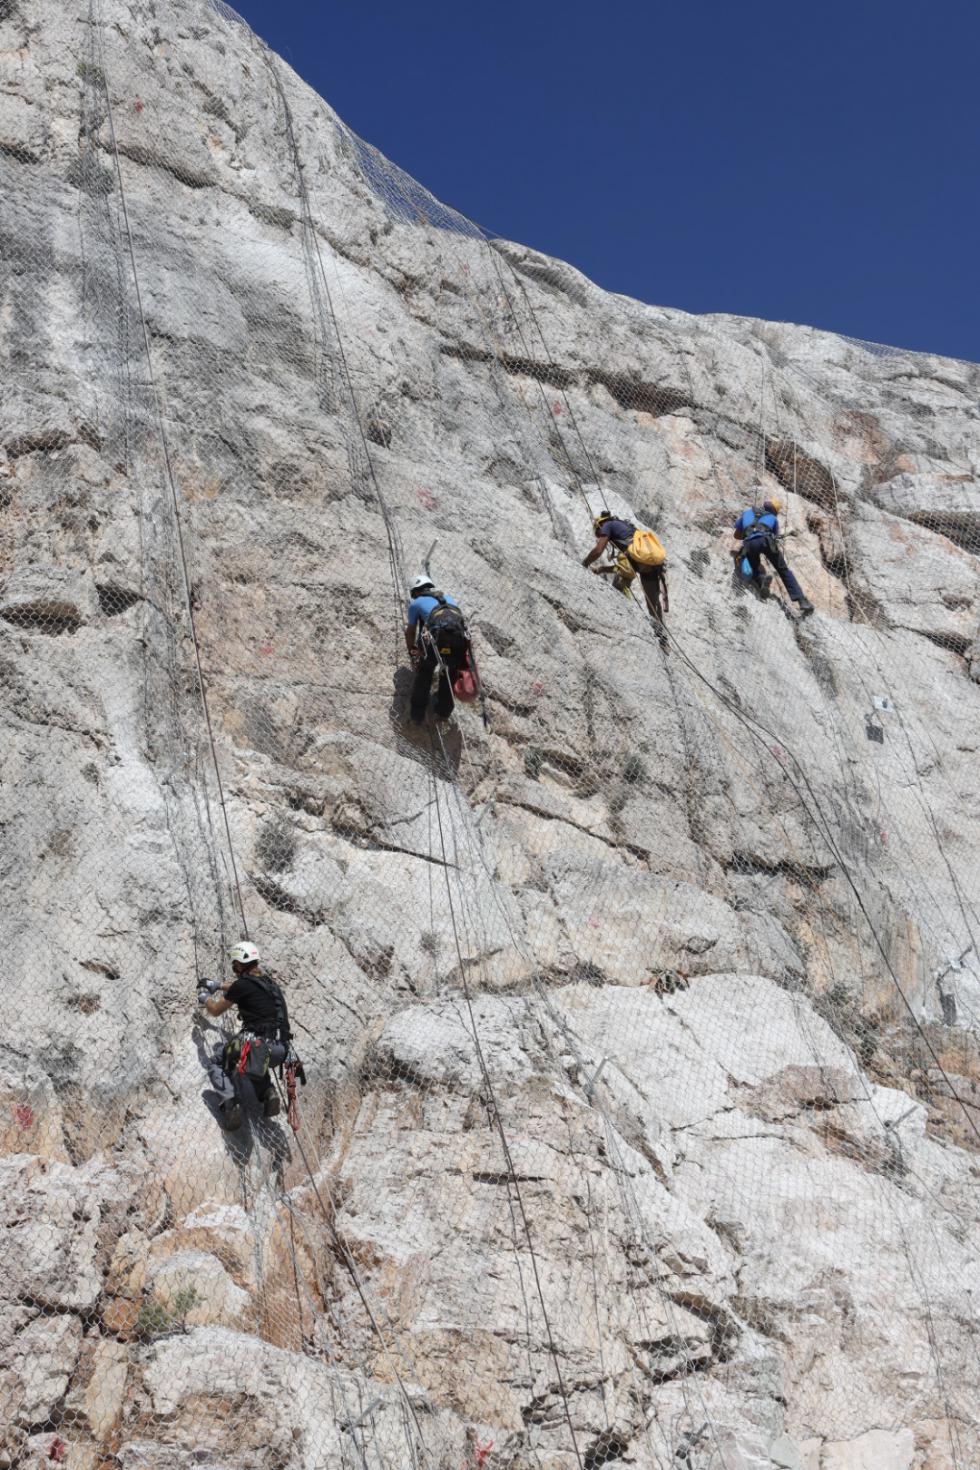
(752, 523)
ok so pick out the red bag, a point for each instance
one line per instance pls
(464, 686)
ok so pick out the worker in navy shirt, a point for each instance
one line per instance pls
(609, 529)
(757, 528)
(436, 637)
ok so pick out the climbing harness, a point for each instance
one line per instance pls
(249, 1055)
(445, 627)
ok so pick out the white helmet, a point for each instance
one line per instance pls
(420, 583)
(243, 952)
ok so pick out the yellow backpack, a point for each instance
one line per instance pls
(646, 550)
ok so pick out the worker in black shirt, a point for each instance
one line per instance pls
(262, 1042)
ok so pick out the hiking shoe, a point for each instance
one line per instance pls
(805, 606)
(764, 584)
(231, 1116)
(272, 1106)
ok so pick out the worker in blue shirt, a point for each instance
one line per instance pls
(757, 528)
(436, 637)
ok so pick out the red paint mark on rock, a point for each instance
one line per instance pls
(266, 649)
(24, 1115)
(426, 497)
(138, 105)
(556, 410)
(594, 921)
(58, 1449)
(537, 688)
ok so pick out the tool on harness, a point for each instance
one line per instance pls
(294, 1070)
(481, 693)
(248, 1055)
(465, 687)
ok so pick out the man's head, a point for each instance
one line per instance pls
(773, 504)
(421, 585)
(243, 956)
(600, 521)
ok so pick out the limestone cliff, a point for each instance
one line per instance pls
(642, 1022)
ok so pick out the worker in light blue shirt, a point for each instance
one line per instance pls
(436, 638)
(758, 530)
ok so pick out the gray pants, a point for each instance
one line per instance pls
(229, 1083)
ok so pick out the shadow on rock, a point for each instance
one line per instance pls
(256, 1131)
(437, 741)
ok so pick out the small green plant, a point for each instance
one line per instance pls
(839, 1009)
(89, 72)
(429, 941)
(533, 761)
(634, 770)
(155, 1318)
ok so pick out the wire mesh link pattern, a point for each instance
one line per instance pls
(640, 1021)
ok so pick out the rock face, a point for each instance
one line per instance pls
(642, 1023)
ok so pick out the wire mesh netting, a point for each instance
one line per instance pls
(637, 997)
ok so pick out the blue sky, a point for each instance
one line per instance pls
(808, 163)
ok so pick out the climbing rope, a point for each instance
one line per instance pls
(170, 478)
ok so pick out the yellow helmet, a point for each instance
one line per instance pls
(601, 518)
(773, 503)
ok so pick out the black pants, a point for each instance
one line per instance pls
(767, 546)
(452, 663)
(652, 581)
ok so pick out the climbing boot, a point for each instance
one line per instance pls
(805, 606)
(765, 582)
(231, 1115)
(272, 1106)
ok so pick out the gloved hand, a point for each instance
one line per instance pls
(415, 654)
(206, 989)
